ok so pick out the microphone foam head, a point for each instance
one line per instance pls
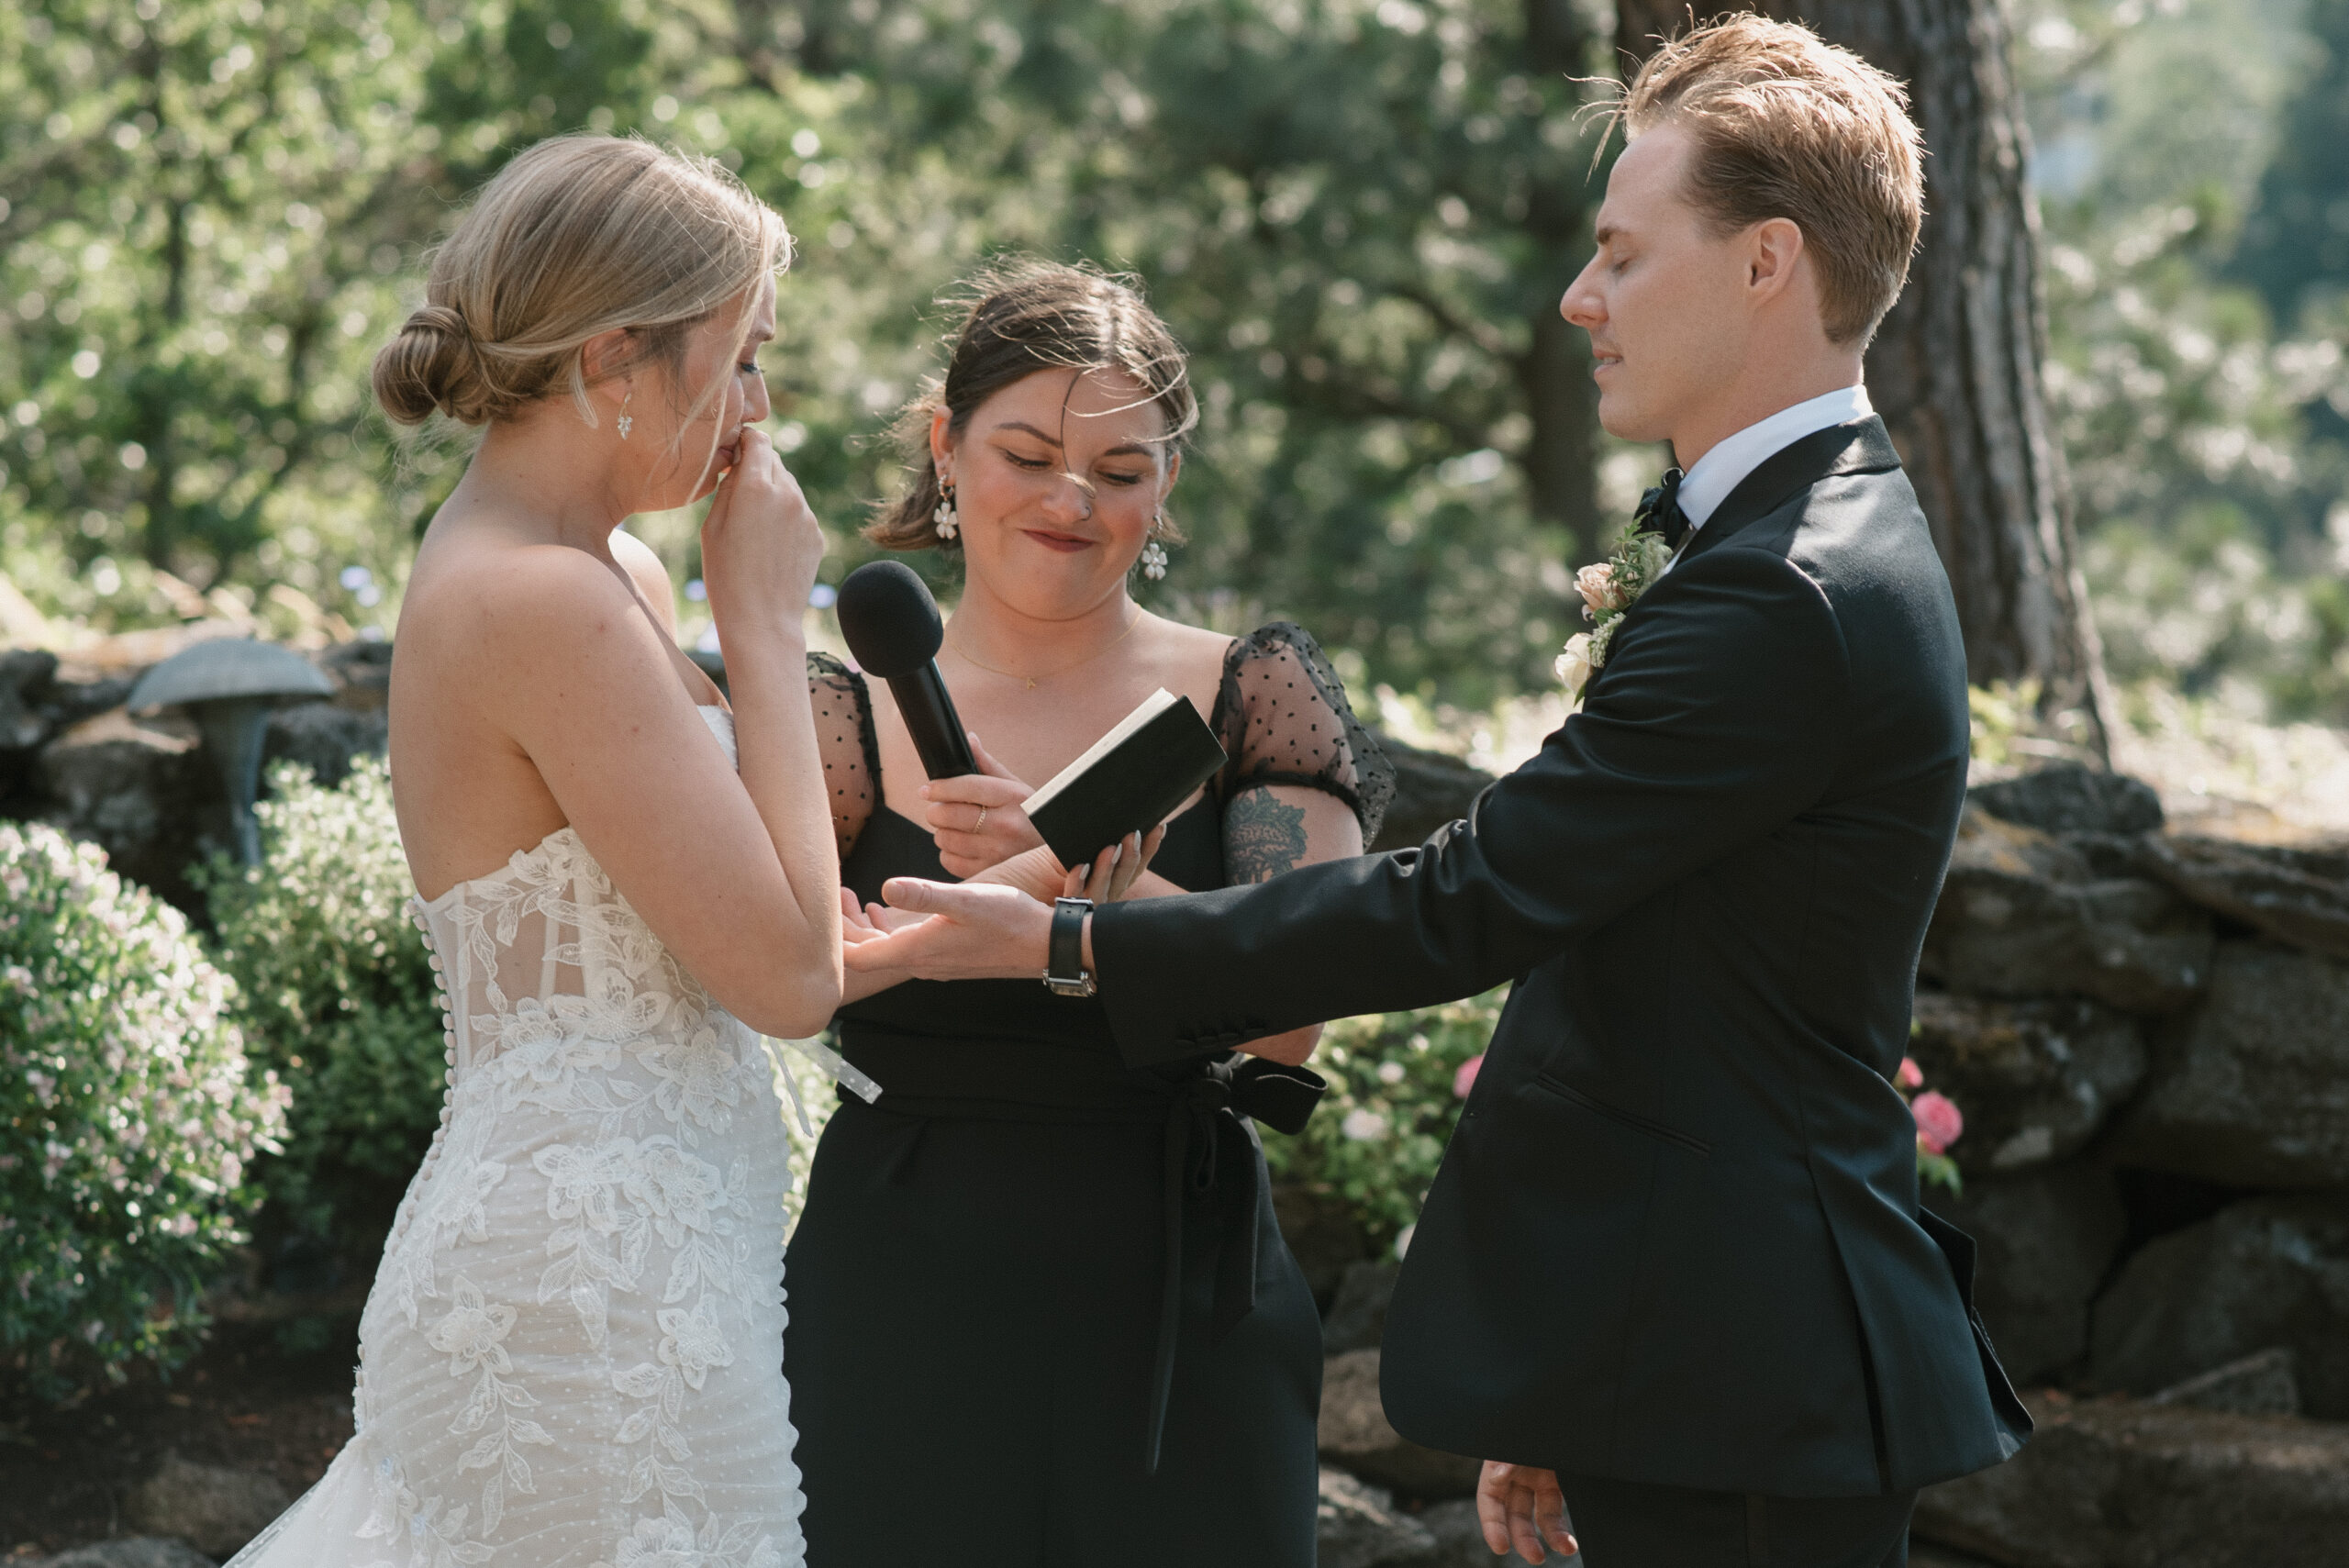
(889, 618)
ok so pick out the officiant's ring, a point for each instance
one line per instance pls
(981, 824)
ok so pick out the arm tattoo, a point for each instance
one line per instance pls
(1263, 837)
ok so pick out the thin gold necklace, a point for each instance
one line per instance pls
(1132, 622)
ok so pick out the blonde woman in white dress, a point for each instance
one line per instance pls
(570, 1357)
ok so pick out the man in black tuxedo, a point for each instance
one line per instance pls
(1674, 1264)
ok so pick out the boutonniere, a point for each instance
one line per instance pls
(1610, 588)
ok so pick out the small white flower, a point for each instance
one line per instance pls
(1363, 1126)
(1574, 665)
(1390, 1072)
(469, 1335)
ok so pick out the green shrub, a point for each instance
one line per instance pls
(1377, 1138)
(337, 995)
(130, 1115)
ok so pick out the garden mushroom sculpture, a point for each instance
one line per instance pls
(227, 685)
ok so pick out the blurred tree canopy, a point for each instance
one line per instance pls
(1358, 213)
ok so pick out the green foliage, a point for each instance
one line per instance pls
(336, 994)
(129, 1117)
(1359, 214)
(1380, 1133)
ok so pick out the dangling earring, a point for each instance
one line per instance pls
(625, 422)
(949, 522)
(1153, 554)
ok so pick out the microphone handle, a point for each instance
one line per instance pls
(930, 719)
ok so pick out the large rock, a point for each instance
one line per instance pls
(1323, 1234)
(216, 1510)
(26, 676)
(2296, 895)
(145, 794)
(2266, 1272)
(2266, 1384)
(1355, 1436)
(2047, 1239)
(2024, 914)
(324, 737)
(2125, 1484)
(1360, 1527)
(1430, 789)
(1357, 1318)
(2036, 1079)
(2251, 1089)
(2066, 797)
(131, 1552)
(361, 673)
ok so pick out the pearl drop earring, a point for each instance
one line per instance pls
(625, 422)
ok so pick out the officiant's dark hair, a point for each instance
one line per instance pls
(1022, 315)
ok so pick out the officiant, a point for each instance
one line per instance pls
(1038, 1299)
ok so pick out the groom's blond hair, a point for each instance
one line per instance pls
(1787, 125)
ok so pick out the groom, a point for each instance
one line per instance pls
(1674, 1264)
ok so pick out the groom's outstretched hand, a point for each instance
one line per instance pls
(1522, 1507)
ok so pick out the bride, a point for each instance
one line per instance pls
(570, 1356)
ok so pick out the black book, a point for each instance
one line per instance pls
(1129, 781)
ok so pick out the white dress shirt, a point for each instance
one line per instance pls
(1706, 485)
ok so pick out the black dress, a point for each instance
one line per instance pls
(990, 1342)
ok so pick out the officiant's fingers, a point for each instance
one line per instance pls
(1550, 1514)
(1492, 1505)
(987, 765)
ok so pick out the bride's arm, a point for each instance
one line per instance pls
(735, 872)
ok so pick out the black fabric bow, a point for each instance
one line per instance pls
(1660, 510)
(1209, 1154)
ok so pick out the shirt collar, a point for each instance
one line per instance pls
(1709, 483)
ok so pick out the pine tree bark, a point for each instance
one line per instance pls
(1955, 370)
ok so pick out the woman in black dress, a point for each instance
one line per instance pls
(1041, 1314)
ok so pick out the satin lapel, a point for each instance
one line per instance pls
(1860, 447)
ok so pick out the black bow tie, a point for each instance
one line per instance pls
(1660, 510)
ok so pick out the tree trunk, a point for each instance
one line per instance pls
(1561, 453)
(1955, 369)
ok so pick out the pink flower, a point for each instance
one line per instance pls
(1939, 1123)
(1910, 1075)
(1466, 1079)
(1596, 585)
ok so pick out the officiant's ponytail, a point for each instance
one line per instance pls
(1021, 317)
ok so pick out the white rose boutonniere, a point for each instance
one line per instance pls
(1610, 588)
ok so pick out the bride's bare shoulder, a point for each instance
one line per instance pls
(518, 604)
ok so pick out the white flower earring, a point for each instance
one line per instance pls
(950, 522)
(1153, 554)
(625, 421)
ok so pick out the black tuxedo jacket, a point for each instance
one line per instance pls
(1677, 1237)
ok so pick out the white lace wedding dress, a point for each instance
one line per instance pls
(571, 1355)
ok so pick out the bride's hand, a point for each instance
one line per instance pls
(977, 819)
(865, 923)
(760, 543)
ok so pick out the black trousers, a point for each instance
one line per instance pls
(1634, 1524)
(974, 1312)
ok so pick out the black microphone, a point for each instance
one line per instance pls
(892, 626)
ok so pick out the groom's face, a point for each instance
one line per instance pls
(1664, 297)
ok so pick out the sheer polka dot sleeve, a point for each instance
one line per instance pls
(1285, 719)
(845, 739)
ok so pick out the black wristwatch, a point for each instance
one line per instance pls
(1064, 971)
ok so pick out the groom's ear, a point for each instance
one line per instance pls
(1774, 257)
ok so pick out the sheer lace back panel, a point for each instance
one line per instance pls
(569, 1358)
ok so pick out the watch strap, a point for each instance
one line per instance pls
(1064, 971)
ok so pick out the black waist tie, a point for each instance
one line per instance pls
(1208, 1151)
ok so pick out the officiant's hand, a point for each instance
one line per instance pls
(977, 819)
(1522, 1507)
(1111, 876)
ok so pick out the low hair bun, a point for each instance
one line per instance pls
(430, 367)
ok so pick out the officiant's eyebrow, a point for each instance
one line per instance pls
(1130, 447)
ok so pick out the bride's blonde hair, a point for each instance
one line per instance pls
(577, 236)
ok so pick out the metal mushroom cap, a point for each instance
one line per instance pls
(229, 686)
(227, 667)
